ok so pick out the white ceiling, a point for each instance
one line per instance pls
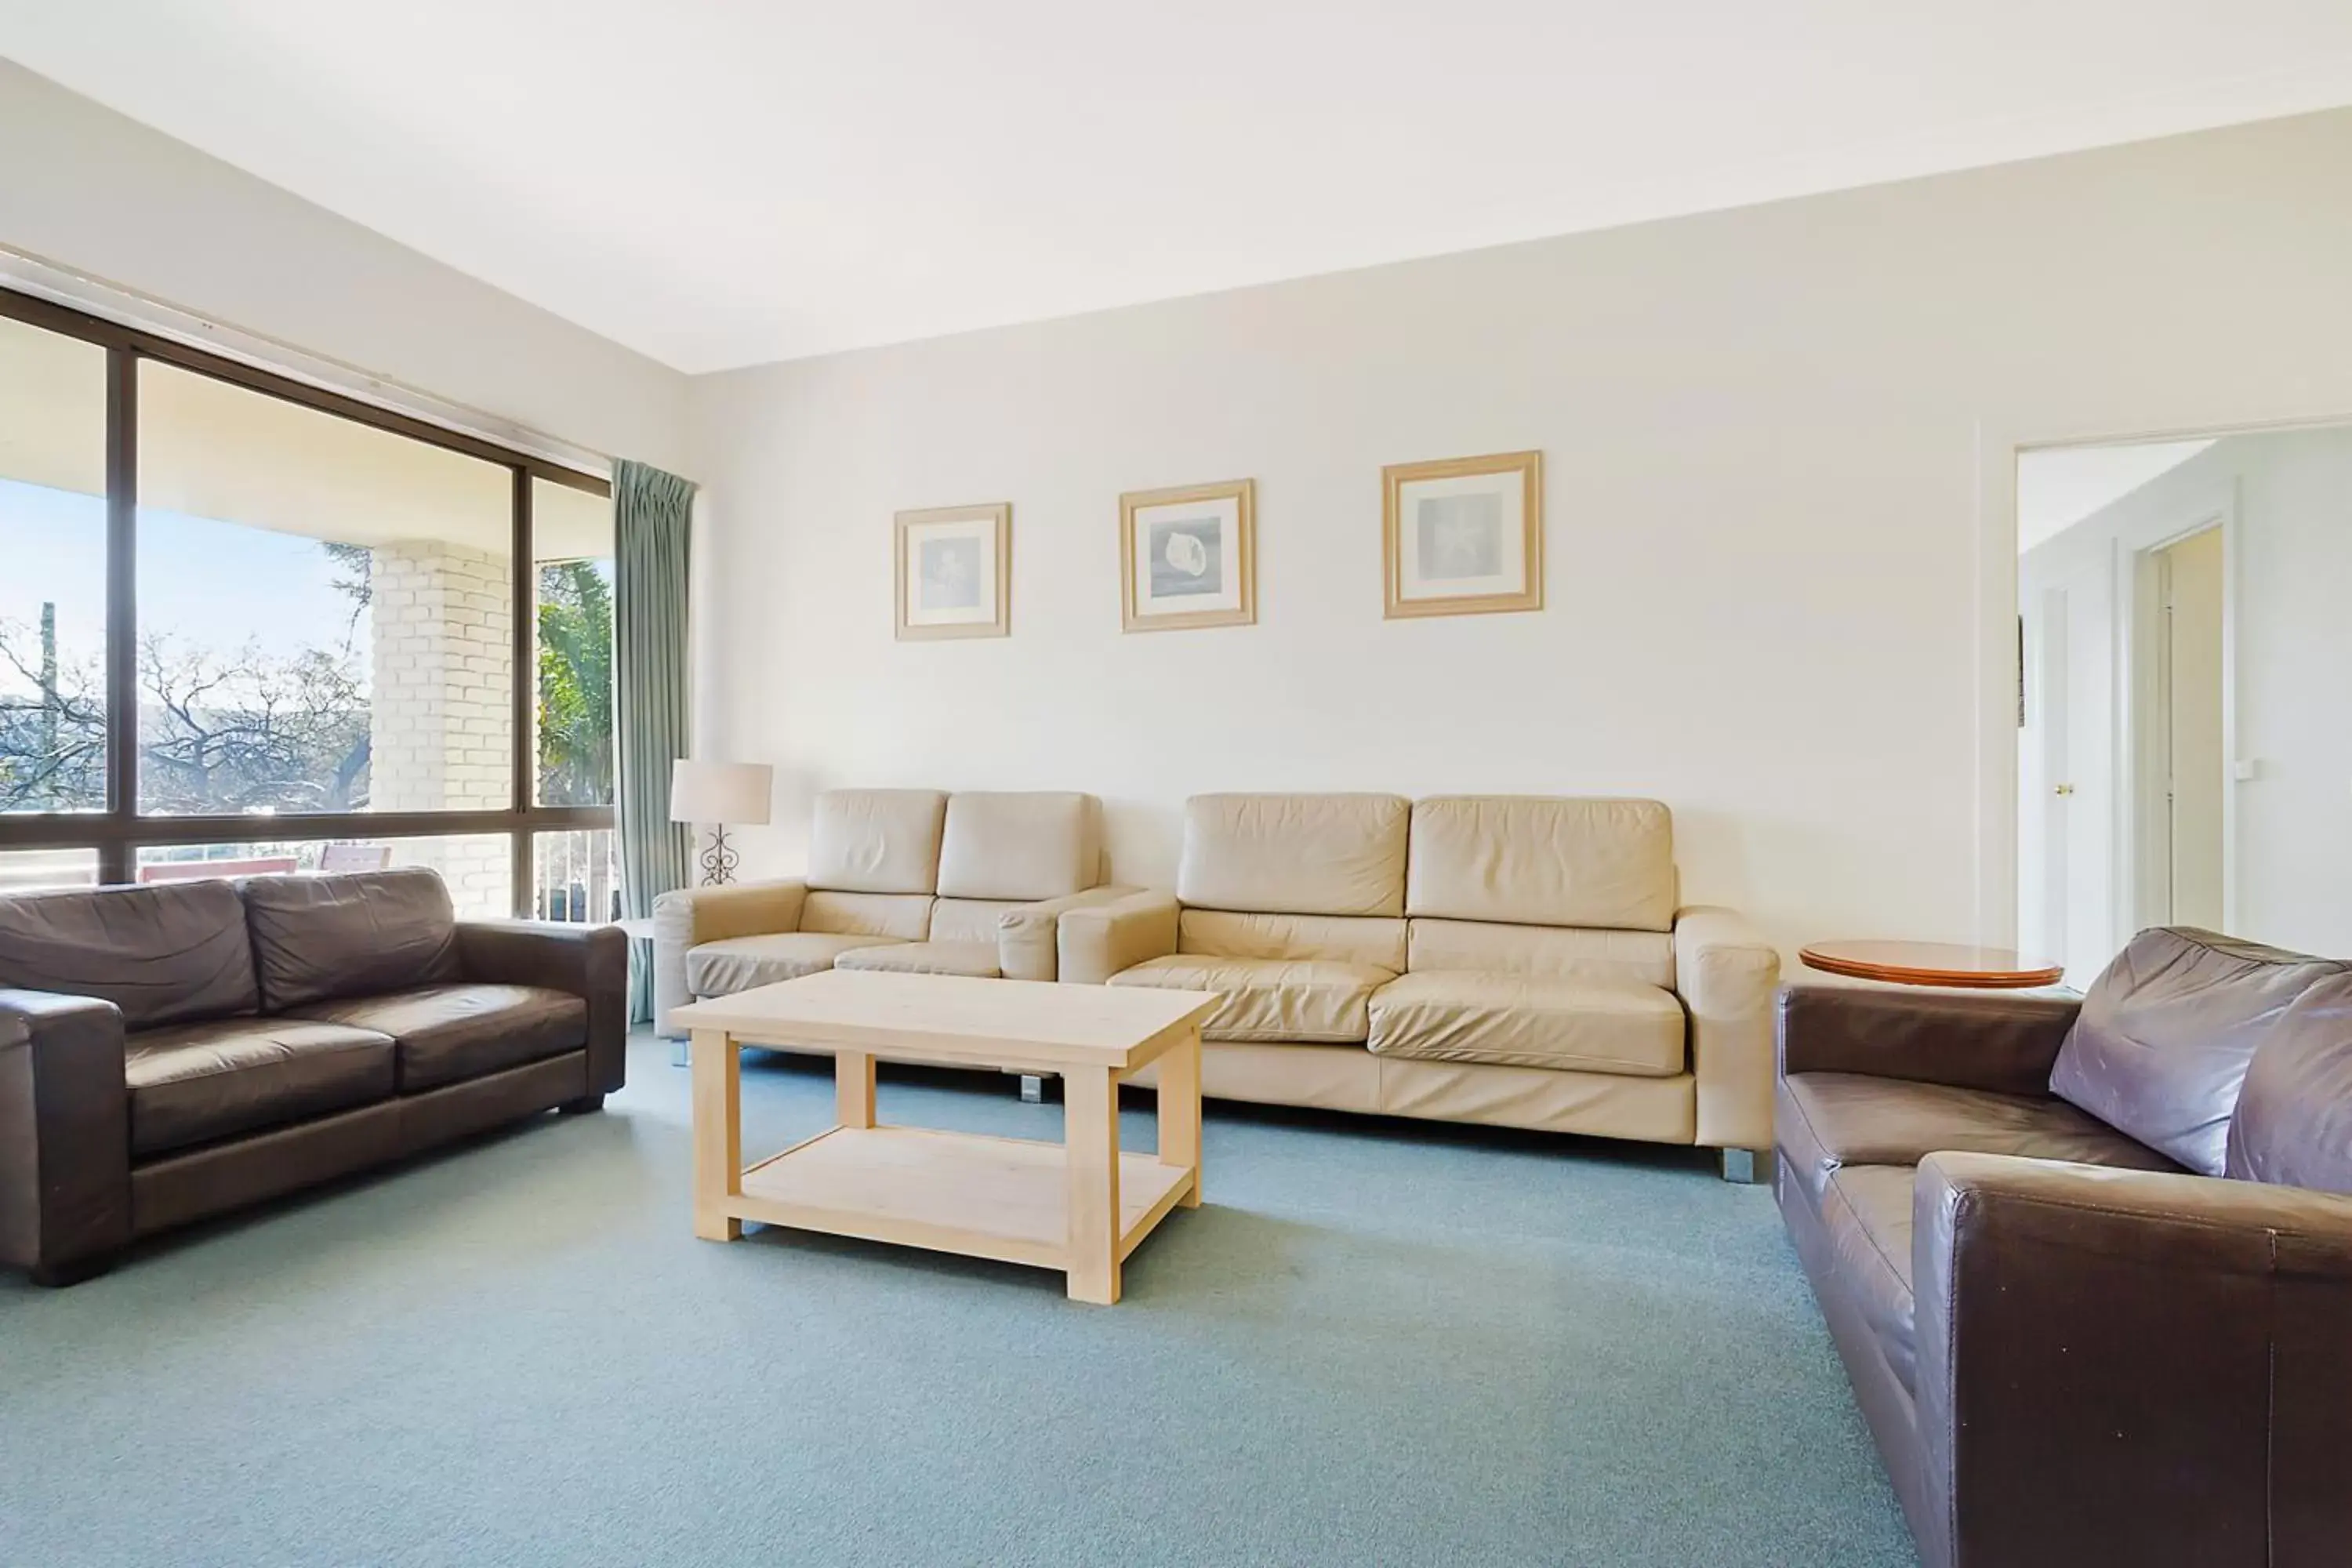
(2058, 488)
(719, 183)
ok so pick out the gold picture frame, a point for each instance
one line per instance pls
(1187, 557)
(952, 563)
(1463, 556)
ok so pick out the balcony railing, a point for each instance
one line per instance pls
(576, 877)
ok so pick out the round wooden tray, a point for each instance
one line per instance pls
(1931, 964)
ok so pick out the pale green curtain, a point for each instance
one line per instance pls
(652, 514)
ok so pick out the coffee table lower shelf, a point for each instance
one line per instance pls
(1006, 1198)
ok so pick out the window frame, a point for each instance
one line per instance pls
(120, 832)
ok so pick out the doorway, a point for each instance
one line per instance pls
(2182, 750)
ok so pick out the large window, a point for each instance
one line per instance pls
(52, 572)
(226, 598)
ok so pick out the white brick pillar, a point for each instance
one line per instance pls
(441, 719)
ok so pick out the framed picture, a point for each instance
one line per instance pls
(955, 572)
(1187, 557)
(1464, 536)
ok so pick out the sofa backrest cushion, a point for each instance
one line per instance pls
(1335, 938)
(877, 840)
(1543, 860)
(2294, 1124)
(1021, 846)
(165, 954)
(354, 935)
(1548, 953)
(2161, 1049)
(1295, 854)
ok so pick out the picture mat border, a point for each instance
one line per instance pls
(1243, 493)
(1529, 466)
(999, 513)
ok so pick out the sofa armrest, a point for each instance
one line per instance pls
(692, 916)
(2004, 1041)
(1097, 941)
(2131, 1366)
(1028, 938)
(1725, 974)
(65, 1132)
(591, 962)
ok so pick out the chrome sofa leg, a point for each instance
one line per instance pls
(1746, 1166)
(681, 1054)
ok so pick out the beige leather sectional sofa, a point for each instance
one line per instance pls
(968, 883)
(1511, 960)
(1515, 961)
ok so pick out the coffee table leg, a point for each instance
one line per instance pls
(1180, 1112)
(718, 1133)
(853, 1089)
(1090, 1133)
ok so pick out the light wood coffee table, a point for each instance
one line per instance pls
(1080, 1206)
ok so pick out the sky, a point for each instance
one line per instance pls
(218, 585)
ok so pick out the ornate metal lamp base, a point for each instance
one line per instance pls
(718, 861)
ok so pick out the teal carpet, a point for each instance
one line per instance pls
(1376, 1345)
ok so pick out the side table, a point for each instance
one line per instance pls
(1932, 963)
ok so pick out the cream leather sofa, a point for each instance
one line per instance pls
(968, 883)
(1515, 961)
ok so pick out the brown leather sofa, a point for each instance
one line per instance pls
(2089, 1264)
(169, 1052)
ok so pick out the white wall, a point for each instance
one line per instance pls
(1781, 558)
(91, 190)
(2285, 502)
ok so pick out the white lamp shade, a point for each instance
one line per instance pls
(735, 793)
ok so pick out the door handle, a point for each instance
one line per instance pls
(2065, 789)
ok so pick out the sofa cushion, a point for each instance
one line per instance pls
(968, 919)
(357, 935)
(195, 1083)
(1295, 854)
(1024, 845)
(1303, 1002)
(2294, 1124)
(1529, 1021)
(901, 916)
(445, 1034)
(876, 840)
(1825, 1121)
(2161, 1046)
(1543, 860)
(1343, 939)
(740, 962)
(1563, 953)
(161, 954)
(1866, 1213)
(977, 959)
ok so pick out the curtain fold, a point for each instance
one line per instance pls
(652, 524)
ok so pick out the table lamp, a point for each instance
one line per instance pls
(720, 793)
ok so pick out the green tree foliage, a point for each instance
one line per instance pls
(575, 684)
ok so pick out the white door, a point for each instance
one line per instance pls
(2188, 705)
(2065, 911)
